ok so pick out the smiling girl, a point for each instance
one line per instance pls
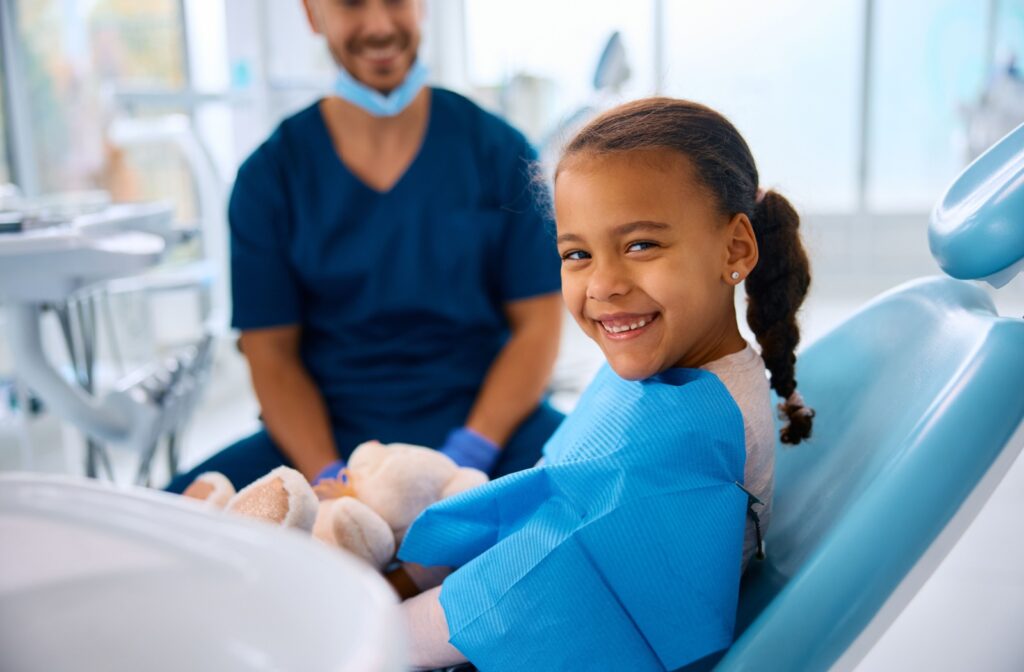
(624, 549)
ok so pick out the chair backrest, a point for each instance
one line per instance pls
(916, 396)
(977, 227)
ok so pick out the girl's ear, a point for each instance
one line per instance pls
(741, 249)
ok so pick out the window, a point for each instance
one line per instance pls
(1009, 37)
(5, 163)
(928, 63)
(787, 74)
(79, 58)
(534, 60)
(999, 108)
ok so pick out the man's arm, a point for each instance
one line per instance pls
(293, 408)
(520, 373)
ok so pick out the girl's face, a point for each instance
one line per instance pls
(646, 260)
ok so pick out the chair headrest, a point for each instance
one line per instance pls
(977, 229)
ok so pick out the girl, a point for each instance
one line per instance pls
(624, 549)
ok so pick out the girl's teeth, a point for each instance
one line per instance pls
(619, 329)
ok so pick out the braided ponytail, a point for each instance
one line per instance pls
(775, 289)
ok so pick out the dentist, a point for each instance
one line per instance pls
(393, 268)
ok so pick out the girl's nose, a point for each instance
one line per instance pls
(607, 280)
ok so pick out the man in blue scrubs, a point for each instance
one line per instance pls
(393, 267)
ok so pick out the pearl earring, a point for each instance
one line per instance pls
(735, 275)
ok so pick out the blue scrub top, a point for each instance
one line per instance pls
(400, 294)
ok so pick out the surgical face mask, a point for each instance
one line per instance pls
(376, 103)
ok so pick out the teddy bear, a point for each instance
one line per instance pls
(366, 510)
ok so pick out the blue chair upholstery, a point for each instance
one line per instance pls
(916, 396)
(977, 228)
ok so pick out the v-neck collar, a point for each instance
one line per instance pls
(418, 158)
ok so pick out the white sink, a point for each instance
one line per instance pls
(98, 577)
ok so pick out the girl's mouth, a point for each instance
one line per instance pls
(621, 326)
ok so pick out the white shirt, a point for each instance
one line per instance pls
(745, 376)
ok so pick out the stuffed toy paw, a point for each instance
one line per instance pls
(211, 487)
(348, 523)
(282, 497)
(391, 484)
(366, 510)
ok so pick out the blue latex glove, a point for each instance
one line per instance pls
(329, 472)
(469, 449)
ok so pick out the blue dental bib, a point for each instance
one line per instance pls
(622, 551)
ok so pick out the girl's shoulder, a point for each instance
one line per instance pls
(678, 407)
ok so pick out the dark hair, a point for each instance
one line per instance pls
(723, 162)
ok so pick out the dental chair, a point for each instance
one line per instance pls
(919, 399)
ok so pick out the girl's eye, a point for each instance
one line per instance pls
(575, 255)
(641, 245)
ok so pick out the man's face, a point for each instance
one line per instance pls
(376, 41)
